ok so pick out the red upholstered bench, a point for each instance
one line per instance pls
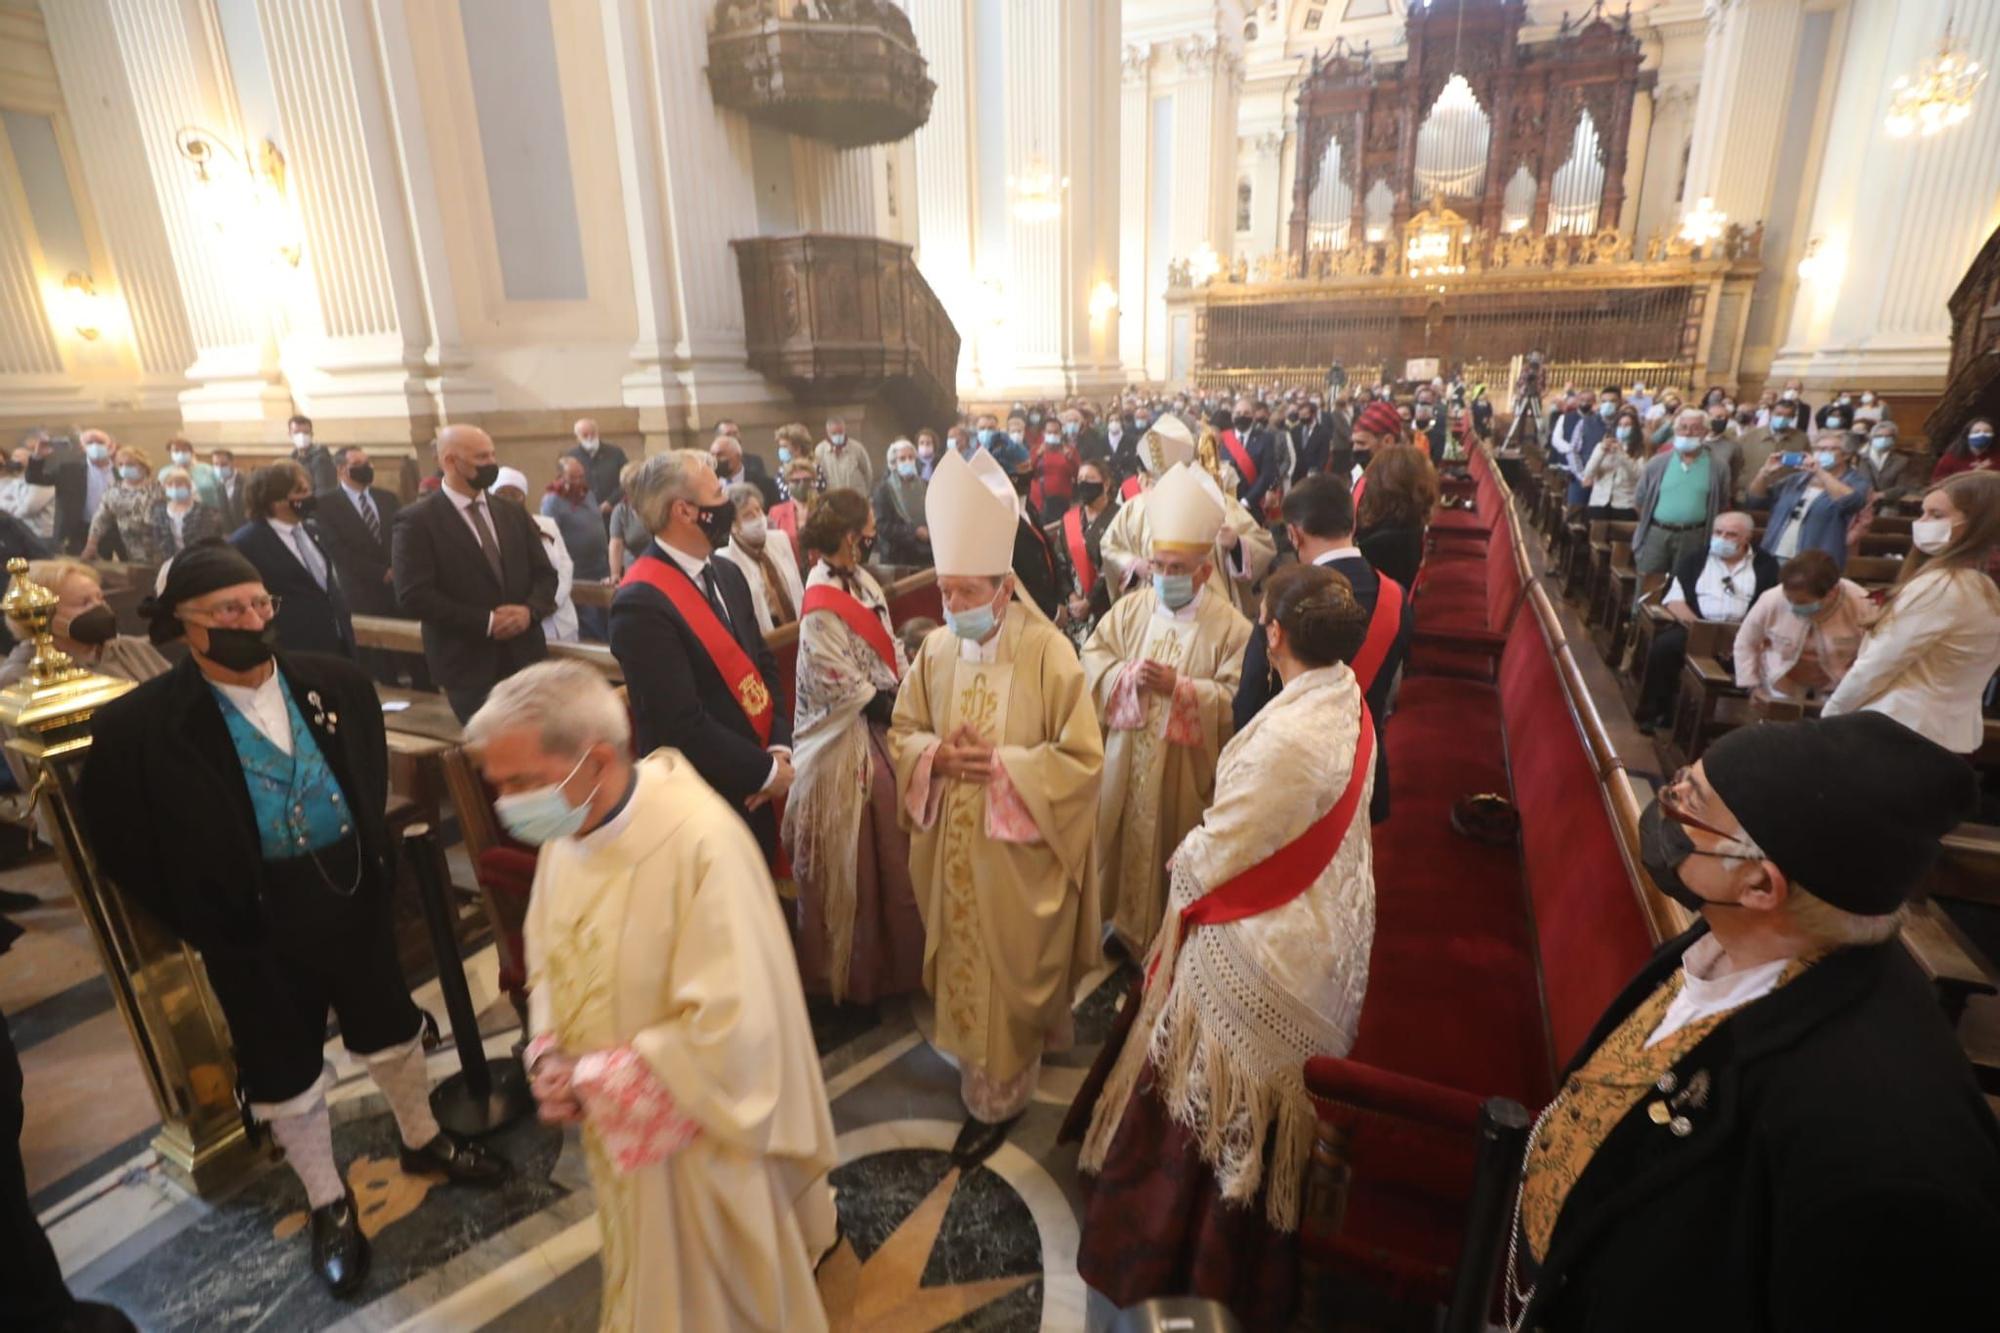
(1489, 965)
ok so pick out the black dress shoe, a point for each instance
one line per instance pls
(13, 900)
(977, 1140)
(459, 1160)
(339, 1250)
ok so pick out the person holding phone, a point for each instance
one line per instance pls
(1811, 508)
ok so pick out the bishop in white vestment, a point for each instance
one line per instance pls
(1243, 549)
(666, 1016)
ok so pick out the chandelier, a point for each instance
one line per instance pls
(1704, 224)
(1939, 97)
(1037, 192)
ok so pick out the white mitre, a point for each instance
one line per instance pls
(1168, 442)
(972, 513)
(1181, 513)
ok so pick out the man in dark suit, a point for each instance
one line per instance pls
(80, 483)
(733, 465)
(355, 520)
(684, 631)
(1774, 1125)
(231, 487)
(1319, 518)
(602, 462)
(474, 573)
(285, 547)
(311, 455)
(1251, 454)
(239, 799)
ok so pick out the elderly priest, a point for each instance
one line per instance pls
(1163, 668)
(239, 798)
(997, 758)
(1774, 1127)
(1243, 549)
(666, 1015)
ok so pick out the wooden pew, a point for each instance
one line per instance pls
(1709, 702)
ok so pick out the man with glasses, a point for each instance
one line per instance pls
(1773, 1126)
(1718, 584)
(239, 798)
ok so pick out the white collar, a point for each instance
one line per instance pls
(251, 698)
(355, 492)
(464, 502)
(691, 565)
(284, 529)
(1338, 553)
(971, 650)
(1708, 986)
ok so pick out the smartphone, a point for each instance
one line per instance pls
(1791, 459)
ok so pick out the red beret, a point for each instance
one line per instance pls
(1379, 418)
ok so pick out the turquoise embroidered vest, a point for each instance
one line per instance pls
(296, 798)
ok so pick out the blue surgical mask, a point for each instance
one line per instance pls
(544, 814)
(131, 472)
(1174, 590)
(1827, 459)
(784, 453)
(179, 494)
(986, 434)
(1806, 610)
(1686, 444)
(1607, 410)
(1781, 423)
(1882, 444)
(97, 453)
(1722, 548)
(974, 624)
(1624, 435)
(1072, 427)
(907, 468)
(1980, 443)
(1016, 436)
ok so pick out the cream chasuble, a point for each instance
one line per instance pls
(1129, 540)
(1003, 871)
(1159, 750)
(660, 934)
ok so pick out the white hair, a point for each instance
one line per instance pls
(662, 479)
(1813, 916)
(1694, 414)
(900, 449)
(570, 706)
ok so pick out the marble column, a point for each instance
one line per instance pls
(1900, 219)
(171, 71)
(103, 117)
(1740, 113)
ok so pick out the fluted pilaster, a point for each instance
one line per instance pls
(944, 156)
(1132, 208)
(1746, 82)
(836, 188)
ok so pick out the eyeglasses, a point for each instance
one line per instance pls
(263, 606)
(1674, 806)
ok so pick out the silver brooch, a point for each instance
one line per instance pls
(326, 720)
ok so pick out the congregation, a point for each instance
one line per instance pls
(1148, 728)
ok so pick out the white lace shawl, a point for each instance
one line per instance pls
(1251, 1001)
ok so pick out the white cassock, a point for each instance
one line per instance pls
(658, 936)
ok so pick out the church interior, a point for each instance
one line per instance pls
(780, 233)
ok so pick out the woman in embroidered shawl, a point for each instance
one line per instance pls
(1197, 1145)
(859, 935)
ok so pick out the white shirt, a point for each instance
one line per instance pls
(1709, 591)
(1706, 989)
(263, 706)
(463, 503)
(33, 505)
(1788, 540)
(301, 546)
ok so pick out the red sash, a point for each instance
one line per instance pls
(1383, 626)
(1291, 870)
(745, 682)
(861, 619)
(1241, 457)
(1079, 549)
(1130, 487)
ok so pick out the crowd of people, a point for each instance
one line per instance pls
(1151, 726)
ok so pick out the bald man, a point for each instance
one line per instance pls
(474, 573)
(602, 462)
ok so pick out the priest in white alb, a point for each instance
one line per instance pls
(665, 1015)
(1243, 549)
(1163, 666)
(997, 757)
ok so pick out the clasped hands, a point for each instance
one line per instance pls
(965, 756)
(551, 1080)
(1157, 677)
(511, 621)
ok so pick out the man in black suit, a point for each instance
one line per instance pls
(474, 573)
(239, 798)
(733, 465)
(1319, 517)
(720, 706)
(80, 483)
(602, 462)
(231, 487)
(1035, 568)
(355, 520)
(285, 547)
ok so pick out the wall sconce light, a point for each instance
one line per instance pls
(1038, 192)
(82, 307)
(1822, 261)
(1704, 224)
(246, 203)
(1103, 300)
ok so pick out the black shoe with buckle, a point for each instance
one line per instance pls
(458, 1160)
(978, 1140)
(339, 1250)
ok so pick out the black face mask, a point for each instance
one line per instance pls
(484, 476)
(97, 625)
(303, 505)
(1089, 492)
(1663, 846)
(1717, 425)
(362, 474)
(241, 649)
(716, 523)
(1243, 422)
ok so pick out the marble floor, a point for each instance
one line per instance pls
(926, 1246)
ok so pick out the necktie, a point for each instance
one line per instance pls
(309, 555)
(714, 598)
(370, 517)
(486, 541)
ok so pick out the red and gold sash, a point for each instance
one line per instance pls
(1079, 549)
(856, 616)
(1240, 456)
(1383, 626)
(1130, 487)
(1293, 868)
(739, 673)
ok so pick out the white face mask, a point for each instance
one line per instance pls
(181, 459)
(301, 439)
(1931, 535)
(752, 530)
(589, 445)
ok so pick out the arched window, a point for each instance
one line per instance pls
(1578, 185)
(1451, 146)
(1243, 203)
